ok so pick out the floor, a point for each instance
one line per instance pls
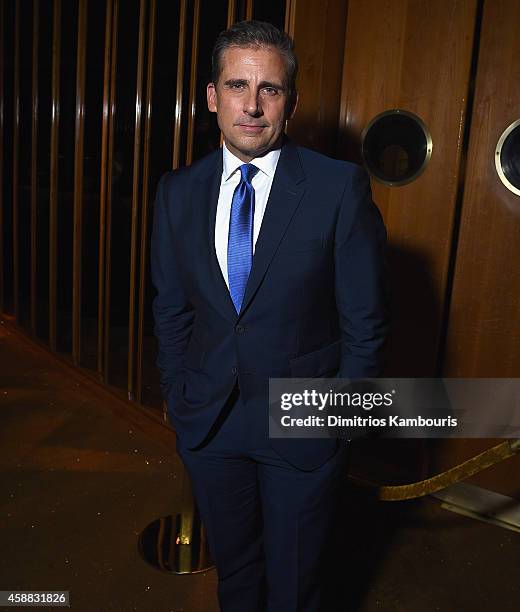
(83, 472)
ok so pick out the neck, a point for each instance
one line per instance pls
(246, 157)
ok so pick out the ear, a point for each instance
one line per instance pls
(211, 92)
(292, 108)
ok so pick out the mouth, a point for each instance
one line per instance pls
(251, 128)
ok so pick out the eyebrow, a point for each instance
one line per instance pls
(261, 85)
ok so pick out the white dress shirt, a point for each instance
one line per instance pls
(262, 182)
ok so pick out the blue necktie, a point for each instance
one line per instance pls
(240, 239)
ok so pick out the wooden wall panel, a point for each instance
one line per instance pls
(318, 30)
(416, 56)
(484, 324)
(483, 337)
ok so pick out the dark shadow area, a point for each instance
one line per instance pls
(415, 312)
(411, 353)
(413, 555)
(92, 183)
(23, 239)
(119, 221)
(7, 40)
(43, 168)
(65, 203)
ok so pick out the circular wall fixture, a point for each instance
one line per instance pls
(507, 157)
(396, 147)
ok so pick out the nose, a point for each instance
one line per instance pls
(252, 104)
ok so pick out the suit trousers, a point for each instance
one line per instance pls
(270, 526)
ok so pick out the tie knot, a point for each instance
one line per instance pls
(248, 171)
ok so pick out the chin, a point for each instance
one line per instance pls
(250, 149)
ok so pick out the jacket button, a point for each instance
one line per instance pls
(239, 329)
(234, 370)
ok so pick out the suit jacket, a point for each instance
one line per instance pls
(314, 303)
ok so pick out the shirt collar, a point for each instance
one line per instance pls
(267, 163)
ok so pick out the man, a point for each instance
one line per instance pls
(267, 259)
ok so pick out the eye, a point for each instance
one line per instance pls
(235, 86)
(270, 91)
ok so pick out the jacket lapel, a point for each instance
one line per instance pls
(205, 196)
(286, 192)
(285, 196)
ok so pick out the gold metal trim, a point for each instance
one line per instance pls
(498, 164)
(78, 182)
(458, 473)
(427, 135)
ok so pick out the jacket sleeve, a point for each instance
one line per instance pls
(172, 311)
(361, 280)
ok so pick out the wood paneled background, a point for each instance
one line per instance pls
(99, 97)
(483, 333)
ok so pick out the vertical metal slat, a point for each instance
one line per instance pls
(290, 12)
(103, 186)
(231, 18)
(16, 138)
(108, 209)
(193, 82)
(249, 10)
(135, 198)
(2, 93)
(144, 207)
(53, 190)
(78, 182)
(180, 82)
(34, 158)
(231, 12)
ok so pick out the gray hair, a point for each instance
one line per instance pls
(246, 34)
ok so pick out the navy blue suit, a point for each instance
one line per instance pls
(314, 306)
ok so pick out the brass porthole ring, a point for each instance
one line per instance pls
(507, 157)
(396, 146)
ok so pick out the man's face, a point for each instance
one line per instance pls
(250, 99)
